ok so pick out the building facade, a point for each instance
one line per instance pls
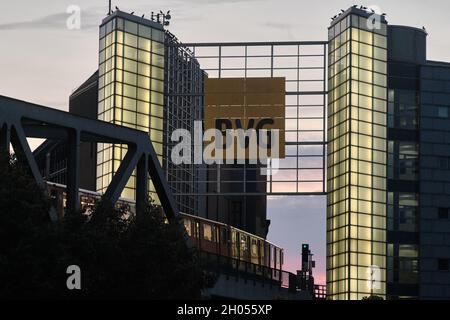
(407, 251)
(406, 55)
(131, 89)
(434, 199)
(356, 199)
(183, 105)
(388, 155)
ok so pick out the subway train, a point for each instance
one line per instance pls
(208, 236)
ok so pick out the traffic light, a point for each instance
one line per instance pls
(305, 256)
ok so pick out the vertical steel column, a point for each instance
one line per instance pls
(5, 138)
(142, 179)
(162, 188)
(73, 171)
(124, 173)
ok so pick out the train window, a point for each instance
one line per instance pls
(266, 254)
(260, 252)
(272, 257)
(187, 225)
(244, 247)
(254, 251)
(215, 234)
(224, 235)
(197, 230)
(254, 247)
(207, 232)
(235, 244)
(277, 258)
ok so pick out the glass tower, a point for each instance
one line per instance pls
(131, 89)
(356, 198)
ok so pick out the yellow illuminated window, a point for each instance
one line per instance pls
(157, 73)
(157, 60)
(157, 110)
(144, 44)
(129, 78)
(130, 53)
(143, 107)
(365, 36)
(156, 135)
(130, 65)
(130, 40)
(156, 123)
(144, 82)
(129, 117)
(129, 91)
(144, 57)
(157, 98)
(143, 94)
(143, 121)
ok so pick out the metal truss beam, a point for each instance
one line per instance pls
(20, 120)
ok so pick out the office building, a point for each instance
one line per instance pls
(131, 89)
(153, 99)
(388, 166)
(388, 158)
(357, 118)
(418, 152)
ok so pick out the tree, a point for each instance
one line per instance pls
(372, 298)
(137, 257)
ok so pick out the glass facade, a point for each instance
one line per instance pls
(303, 65)
(131, 91)
(357, 170)
(183, 106)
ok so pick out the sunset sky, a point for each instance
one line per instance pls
(43, 62)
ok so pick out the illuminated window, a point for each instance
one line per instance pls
(124, 96)
(356, 201)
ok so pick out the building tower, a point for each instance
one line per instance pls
(356, 199)
(407, 53)
(131, 89)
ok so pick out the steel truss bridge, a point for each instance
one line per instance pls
(20, 120)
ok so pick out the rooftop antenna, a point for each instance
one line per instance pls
(109, 8)
(161, 17)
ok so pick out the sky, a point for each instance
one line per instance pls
(42, 61)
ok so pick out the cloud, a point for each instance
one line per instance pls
(278, 25)
(90, 18)
(211, 2)
(47, 22)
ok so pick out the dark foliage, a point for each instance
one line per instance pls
(120, 257)
(372, 298)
